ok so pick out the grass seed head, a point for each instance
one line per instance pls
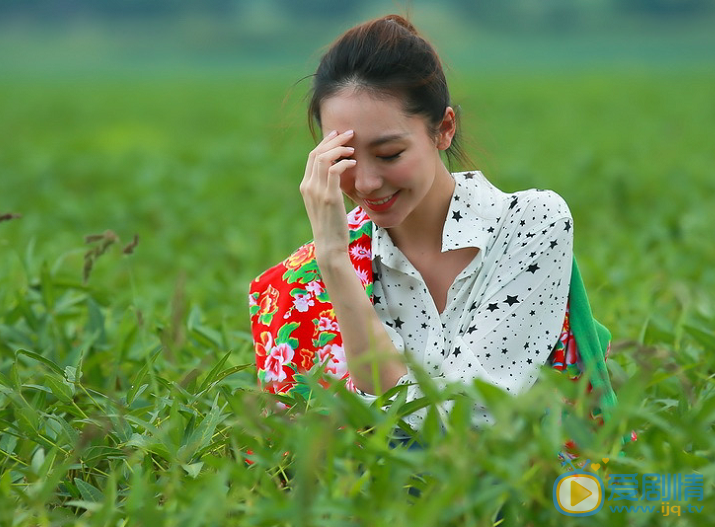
(9, 216)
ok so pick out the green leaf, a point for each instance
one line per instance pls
(193, 469)
(8, 443)
(32, 320)
(47, 287)
(127, 341)
(301, 388)
(98, 453)
(59, 389)
(214, 372)
(657, 331)
(139, 378)
(40, 358)
(230, 371)
(206, 336)
(70, 432)
(38, 459)
(149, 444)
(27, 418)
(5, 381)
(356, 410)
(492, 394)
(91, 506)
(110, 498)
(96, 323)
(5, 483)
(121, 428)
(412, 406)
(201, 437)
(37, 387)
(13, 337)
(703, 337)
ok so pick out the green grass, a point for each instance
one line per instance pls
(123, 400)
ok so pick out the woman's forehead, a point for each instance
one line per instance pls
(374, 119)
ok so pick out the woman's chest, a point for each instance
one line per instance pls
(439, 272)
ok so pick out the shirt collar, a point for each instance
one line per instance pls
(474, 209)
(475, 206)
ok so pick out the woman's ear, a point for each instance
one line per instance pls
(446, 129)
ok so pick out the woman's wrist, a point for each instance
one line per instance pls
(332, 260)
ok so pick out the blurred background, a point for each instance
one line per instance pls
(73, 36)
(183, 122)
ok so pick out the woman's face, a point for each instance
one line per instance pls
(397, 158)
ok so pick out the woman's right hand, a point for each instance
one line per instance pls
(322, 196)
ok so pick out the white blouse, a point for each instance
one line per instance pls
(504, 311)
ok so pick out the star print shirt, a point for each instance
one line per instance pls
(504, 311)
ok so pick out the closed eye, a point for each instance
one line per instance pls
(392, 157)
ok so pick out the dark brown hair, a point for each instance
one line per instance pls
(388, 58)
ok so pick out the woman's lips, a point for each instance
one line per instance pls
(380, 205)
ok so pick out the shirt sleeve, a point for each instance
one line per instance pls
(516, 324)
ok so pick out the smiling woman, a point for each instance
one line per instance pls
(469, 281)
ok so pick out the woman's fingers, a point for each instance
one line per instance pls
(334, 139)
(330, 159)
(335, 171)
(319, 149)
(333, 183)
(331, 141)
(329, 183)
(319, 162)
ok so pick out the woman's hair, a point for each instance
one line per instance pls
(388, 58)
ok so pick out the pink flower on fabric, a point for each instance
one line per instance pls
(362, 275)
(349, 385)
(359, 253)
(337, 364)
(279, 356)
(303, 302)
(356, 218)
(327, 324)
(314, 287)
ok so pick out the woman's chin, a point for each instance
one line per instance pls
(384, 221)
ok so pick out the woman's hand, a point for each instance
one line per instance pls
(322, 195)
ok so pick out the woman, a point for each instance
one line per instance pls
(469, 281)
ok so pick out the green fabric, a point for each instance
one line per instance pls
(592, 339)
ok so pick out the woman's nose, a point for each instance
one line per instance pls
(367, 180)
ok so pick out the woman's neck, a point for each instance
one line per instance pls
(422, 229)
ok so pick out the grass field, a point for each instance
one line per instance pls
(122, 397)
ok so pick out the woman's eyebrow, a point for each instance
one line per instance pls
(386, 139)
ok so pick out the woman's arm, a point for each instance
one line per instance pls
(373, 361)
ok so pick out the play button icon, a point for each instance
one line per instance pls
(578, 493)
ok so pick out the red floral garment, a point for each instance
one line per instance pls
(294, 325)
